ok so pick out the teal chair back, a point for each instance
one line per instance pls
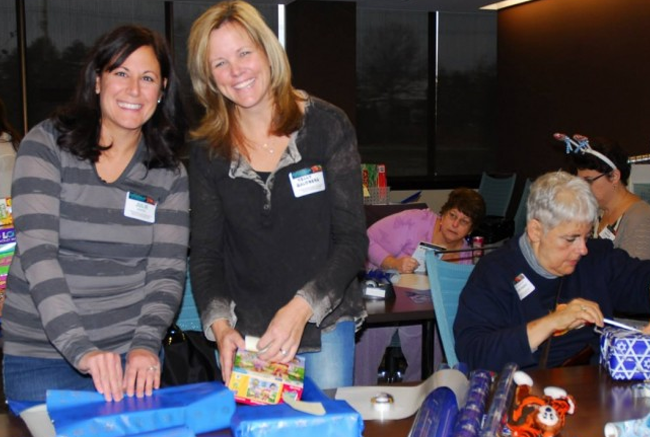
(188, 317)
(520, 215)
(496, 192)
(447, 281)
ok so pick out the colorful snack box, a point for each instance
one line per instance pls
(7, 248)
(6, 218)
(259, 382)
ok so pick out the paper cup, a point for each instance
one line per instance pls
(38, 421)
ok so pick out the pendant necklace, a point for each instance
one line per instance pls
(267, 148)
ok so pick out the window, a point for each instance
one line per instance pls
(392, 89)
(58, 36)
(426, 93)
(10, 65)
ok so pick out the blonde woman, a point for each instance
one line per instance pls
(278, 228)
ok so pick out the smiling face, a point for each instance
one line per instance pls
(558, 250)
(240, 69)
(128, 95)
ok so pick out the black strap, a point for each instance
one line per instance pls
(543, 362)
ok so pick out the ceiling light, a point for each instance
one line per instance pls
(503, 4)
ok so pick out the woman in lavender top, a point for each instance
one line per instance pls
(392, 243)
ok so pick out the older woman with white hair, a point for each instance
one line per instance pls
(535, 300)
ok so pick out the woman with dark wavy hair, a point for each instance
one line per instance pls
(393, 240)
(102, 225)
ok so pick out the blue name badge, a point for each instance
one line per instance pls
(140, 207)
(307, 181)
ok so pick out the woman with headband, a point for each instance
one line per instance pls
(624, 217)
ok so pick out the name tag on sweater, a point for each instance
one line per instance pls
(140, 207)
(307, 181)
(523, 286)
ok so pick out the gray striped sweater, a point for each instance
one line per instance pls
(85, 276)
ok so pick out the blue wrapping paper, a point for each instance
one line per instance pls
(437, 415)
(471, 415)
(625, 354)
(496, 416)
(281, 420)
(198, 408)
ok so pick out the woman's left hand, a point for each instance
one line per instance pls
(142, 373)
(282, 337)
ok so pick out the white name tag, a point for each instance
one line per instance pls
(607, 234)
(307, 181)
(523, 286)
(140, 207)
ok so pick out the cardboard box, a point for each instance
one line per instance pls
(6, 217)
(258, 382)
(625, 354)
(340, 419)
(7, 249)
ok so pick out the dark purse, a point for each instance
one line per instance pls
(188, 358)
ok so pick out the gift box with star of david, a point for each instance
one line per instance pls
(625, 354)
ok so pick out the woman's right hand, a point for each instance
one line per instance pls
(228, 341)
(106, 371)
(405, 264)
(572, 315)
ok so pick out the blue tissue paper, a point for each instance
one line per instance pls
(198, 408)
(340, 419)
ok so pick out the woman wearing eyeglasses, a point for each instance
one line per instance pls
(394, 238)
(392, 243)
(624, 217)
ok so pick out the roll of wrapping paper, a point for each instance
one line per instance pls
(471, 415)
(629, 428)
(437, 415)
(496, 416)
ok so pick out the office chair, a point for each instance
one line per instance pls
(188, 317)
(447, 281)
(520, 215)
(496, 192)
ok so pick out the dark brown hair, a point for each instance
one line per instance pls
(80, 120)
(467, 201)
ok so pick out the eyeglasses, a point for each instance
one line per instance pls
(592, 180)
(462, 220)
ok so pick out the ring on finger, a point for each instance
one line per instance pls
(583, 308)
(152, 369)
(283, 352)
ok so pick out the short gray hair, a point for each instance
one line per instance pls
(560, 197)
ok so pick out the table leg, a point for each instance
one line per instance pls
(427, 348)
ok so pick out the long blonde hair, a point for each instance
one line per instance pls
(220, 126)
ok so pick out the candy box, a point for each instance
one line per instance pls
(259, 382)
(625, 354)
(5, 211)
(7, 248)
(340, 419)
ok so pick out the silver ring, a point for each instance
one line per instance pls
(283, 352)
(152, 369)
(583, 308)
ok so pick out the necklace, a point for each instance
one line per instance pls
(267, 148)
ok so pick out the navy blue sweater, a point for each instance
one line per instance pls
(490, 327)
